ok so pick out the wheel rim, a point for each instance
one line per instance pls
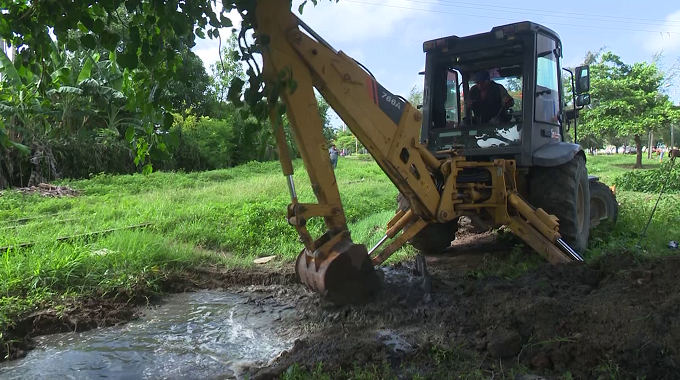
(598, 211)
(580, 208)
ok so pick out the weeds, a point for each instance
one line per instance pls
(609, 370)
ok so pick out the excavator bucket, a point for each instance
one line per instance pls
(346, 275)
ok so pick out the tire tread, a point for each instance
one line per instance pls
(554, 190)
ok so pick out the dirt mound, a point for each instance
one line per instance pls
(47, 190)
(611, 317)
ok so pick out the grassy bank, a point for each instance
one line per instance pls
(240, 211)
(634, 211)
(226, 218)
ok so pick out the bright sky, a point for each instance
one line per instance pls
(386, 36)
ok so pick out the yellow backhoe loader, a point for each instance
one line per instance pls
(516, 170)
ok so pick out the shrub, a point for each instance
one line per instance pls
(205, 144)
(81, 157)
(651, 181)
(75, 157)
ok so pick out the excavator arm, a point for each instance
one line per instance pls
(388, 127)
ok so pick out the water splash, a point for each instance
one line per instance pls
(204, 335)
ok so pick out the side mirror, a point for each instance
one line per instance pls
(582, 79)
(572, 114)
(582, 100)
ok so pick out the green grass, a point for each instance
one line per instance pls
(239, 210)
(634, 211)
(608, 167)
(125, 264)
(227, 218)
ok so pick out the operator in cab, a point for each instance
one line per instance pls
(489, 100)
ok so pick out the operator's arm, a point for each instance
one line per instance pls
(473, 96)
(472, 100)
(506, 99)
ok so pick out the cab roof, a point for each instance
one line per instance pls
(499, 32)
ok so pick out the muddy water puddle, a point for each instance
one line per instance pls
(201, 335)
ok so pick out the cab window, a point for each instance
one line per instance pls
(511, 79)
(547, 80)
(453, 101)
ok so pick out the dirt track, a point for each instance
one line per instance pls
(614, 316)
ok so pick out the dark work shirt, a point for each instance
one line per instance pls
(488, 107)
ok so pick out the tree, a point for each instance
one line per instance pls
(324, 109)
(149, 45)
(227, 68)
(415, 96)
(190, 87)
(346, 140)
(626, 101)
(147, 39)
(589, 58)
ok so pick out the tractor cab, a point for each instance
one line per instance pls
(523, 105)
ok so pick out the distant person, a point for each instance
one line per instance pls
(333, 151)
(661, 154)
(488, 99)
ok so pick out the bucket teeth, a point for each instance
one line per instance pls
(345, 275)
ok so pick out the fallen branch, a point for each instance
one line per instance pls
(28, 219)
(351, 182)
(51, 221)
(73, 237)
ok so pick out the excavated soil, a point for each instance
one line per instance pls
(613, 316)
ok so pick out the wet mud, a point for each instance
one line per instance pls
(614, 315)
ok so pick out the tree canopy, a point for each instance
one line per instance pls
(149, 39)
(626, 101)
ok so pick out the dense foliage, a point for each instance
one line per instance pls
(129, 62)
(74, 108)
(150, 41)
(627, 103)
(113, 80)
(652, 180)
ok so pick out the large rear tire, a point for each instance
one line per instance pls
(435, 237)
(603, 205)
(564, 191)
